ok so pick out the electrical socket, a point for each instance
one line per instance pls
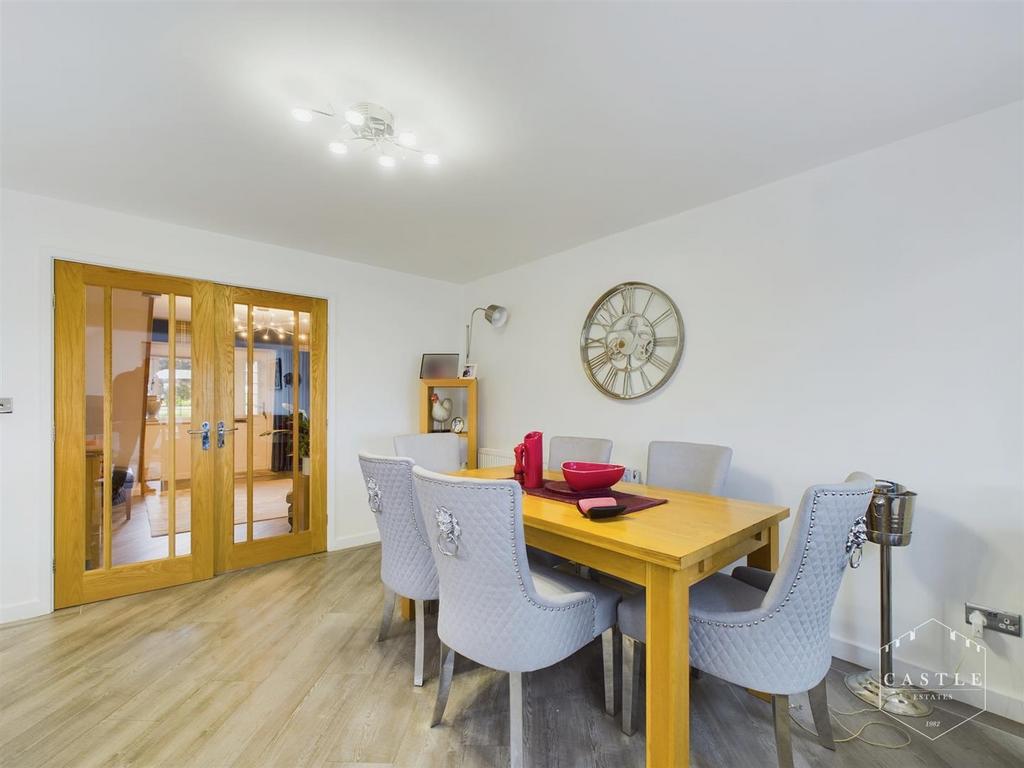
(631, 475)
(997, 621)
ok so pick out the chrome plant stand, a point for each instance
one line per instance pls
(888, 525)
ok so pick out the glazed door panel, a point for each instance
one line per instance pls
(133, 482)
(272, 381)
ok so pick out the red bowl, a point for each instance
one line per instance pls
(587, 476)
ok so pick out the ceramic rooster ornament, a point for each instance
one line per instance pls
(440, 410)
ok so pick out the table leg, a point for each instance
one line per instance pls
(668, 665)
(767, 559)
(407, 608)
(767, 556)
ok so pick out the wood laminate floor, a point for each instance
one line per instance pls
(277, 666)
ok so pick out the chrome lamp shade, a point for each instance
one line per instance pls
(495, 314)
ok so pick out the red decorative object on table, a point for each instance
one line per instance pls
(586, 475)
(517, 472)
(533, 460)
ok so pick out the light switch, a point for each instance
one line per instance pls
(6, 405)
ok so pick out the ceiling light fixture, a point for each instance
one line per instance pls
(374, 125)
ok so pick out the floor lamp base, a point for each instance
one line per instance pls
(906, 702)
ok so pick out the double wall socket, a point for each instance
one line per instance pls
(6, 405)
(997, 621)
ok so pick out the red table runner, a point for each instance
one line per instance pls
(557, 490)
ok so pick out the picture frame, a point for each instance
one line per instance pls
(469, 371)
(439, 365)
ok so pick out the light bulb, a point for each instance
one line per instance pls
(407, 138)
(431, 159)
(338, 147)
(354, 118)
(302, 114)
(387, 161)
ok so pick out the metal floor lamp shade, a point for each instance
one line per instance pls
(888, 522)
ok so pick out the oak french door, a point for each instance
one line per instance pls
(271, 382)
(190, 430)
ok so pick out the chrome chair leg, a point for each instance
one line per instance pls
(632, 653)
(417, 675)
(783, 744)
(818, 699)
(515, 714)
(389, 611)
(608, 652)
(444, 683)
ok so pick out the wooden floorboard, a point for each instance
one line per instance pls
(278, 666)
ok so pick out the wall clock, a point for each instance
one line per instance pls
(631, 341)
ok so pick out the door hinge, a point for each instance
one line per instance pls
(53, 564)
(53, 433)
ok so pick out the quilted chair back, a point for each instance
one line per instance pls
(692, 467)
(490, 611)
(784, 645)
(563, 449)
(406, 564)
(438, 452)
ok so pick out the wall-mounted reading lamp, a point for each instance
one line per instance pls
(494, 314)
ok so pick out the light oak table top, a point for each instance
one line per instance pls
(686, 531)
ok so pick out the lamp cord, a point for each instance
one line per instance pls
(857, 735)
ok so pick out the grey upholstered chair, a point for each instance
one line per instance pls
(693, 467)
(495, 608)
(406, 564)
(438, 452)
(765, 631)
(562, 449)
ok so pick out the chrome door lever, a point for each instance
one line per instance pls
(204, 430)
(221, 429)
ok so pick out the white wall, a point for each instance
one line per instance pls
(864, 315)
(380, 322)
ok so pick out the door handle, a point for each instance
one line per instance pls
(221, 429)
(204, 430)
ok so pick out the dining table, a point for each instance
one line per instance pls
(666, 549)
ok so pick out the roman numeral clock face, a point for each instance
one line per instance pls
(632, 341)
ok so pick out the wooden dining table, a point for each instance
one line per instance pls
(666, 549)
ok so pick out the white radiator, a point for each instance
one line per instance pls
(493, 457)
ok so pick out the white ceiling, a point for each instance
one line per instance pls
(556, 123)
